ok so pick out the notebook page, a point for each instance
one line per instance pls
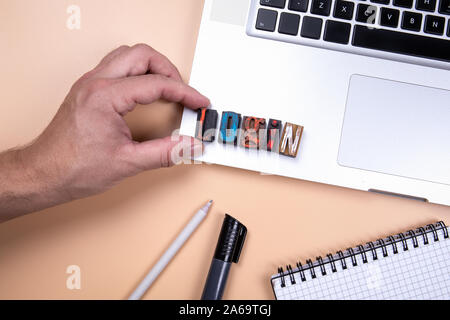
(418, 273)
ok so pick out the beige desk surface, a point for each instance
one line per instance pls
(116, 237)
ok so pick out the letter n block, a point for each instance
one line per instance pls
(290, 139)
(252, 132)
(229, 127)
(273, 134)
(206, 124)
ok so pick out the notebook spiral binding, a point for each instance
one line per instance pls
(367, 251)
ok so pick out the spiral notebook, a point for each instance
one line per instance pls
(411, 265)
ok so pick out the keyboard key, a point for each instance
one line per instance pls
(273, 3)
(448, 29)
(411, 21)
(289, 23)
(444, 6)
(426, 5)
(298, 5)
(401, 42)
(336, 31)
(389, 17)
(344, 9)
(321, 7)
(311, 28)
(366, 13)
(434, 25)
(266, 20)
(403, 3)
(381, 1)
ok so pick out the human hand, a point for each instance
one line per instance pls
(87, 148)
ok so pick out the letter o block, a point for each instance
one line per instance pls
(229, 127)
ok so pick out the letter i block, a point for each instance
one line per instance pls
(273, 134)
(290, 139)
(252, 132)
(206, 124)
(229, 127)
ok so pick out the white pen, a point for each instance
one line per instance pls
(170, 253)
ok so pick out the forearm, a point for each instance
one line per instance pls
(25, 186)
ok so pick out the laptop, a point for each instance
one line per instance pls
(369, 81)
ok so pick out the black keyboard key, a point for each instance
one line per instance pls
(434, 25)
(366, 13)
(389, 17)
(444, 6)
(401, 42)
(311, 28)
(426, 5)
(403, 3)
(381, 1)
(344, 9)
(448, 29)
(411, 21)
(289, 23)
(298, 5)
(273, 3)
(266, 20)
(336, 31)
(321, 7)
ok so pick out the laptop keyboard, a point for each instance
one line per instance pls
(401, 28)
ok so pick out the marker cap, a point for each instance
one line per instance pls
(231, 240)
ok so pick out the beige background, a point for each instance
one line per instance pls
(116, 237)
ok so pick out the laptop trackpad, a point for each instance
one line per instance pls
(397, 128)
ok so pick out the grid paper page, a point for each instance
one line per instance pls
(418, 273)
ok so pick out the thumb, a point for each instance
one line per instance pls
(165, 152)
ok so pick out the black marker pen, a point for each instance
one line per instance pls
(229, 247)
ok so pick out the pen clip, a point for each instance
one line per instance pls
(242, 233)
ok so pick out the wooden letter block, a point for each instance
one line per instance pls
(273, 134)
(252, 132)
(229, 127)
(206, 124)
(290, 139)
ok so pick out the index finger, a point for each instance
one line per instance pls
(137, 60)
(129, 92)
